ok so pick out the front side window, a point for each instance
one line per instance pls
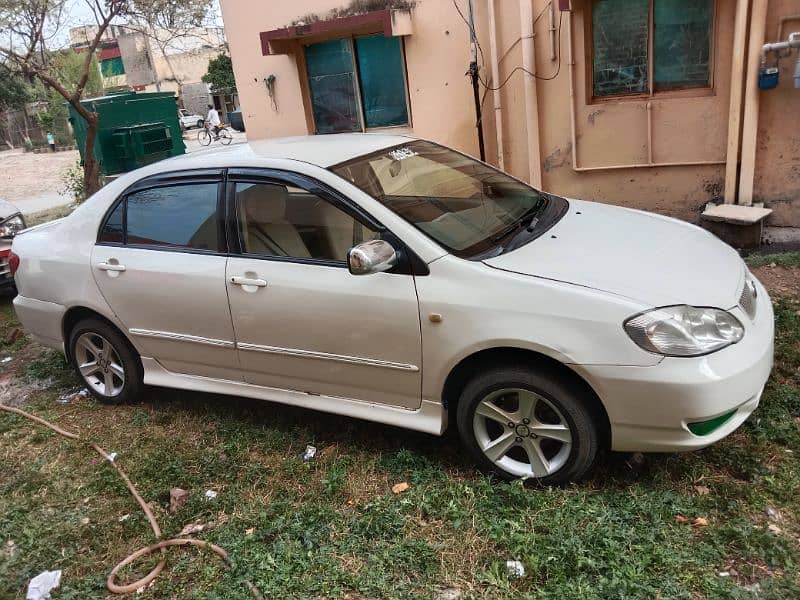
(626, 63)
(357, 84)
(285, 221)
(465, 205)
(178, 216)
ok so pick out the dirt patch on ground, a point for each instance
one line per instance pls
(35, 181)
(781, 282)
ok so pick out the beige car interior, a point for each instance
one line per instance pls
(281, 221)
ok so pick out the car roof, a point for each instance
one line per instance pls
(320, 150)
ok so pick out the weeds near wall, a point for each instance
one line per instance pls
(72, 179)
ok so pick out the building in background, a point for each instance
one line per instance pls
(130, 60)
(645, 103)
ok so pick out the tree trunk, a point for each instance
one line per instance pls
(91, 166)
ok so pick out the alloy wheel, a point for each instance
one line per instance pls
(99, 364)
(522, 432)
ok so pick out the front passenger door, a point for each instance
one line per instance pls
(302, 321)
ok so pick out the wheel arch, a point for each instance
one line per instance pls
(75, 315)
(489, 357)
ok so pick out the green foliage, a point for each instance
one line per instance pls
(15, 90)
(73, 182)
(220, 75)
(783, 259)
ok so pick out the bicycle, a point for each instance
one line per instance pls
(223, 134)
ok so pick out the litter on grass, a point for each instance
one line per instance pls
(309, 454)
(73, 395)
(40, 586)
(516, 570)
(5, 360)
(210, 494)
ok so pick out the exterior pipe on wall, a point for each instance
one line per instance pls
(552, 29)
(758, 24)
(574, 136)
(498, 108)
(735, 107)
(531, 101)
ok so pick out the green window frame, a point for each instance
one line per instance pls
(357, 84)
(643, 47)
(111, 67)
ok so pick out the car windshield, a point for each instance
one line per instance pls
(465, 205)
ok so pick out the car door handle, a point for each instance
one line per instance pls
(104, 266)
(248, 281)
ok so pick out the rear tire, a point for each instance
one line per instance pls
(105, 362)
(225, 136)
(200, 124)
(524, 423)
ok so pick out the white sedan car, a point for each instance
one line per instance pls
(189, 119)
(399, 281)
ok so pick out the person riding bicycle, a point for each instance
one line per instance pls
(213, 120)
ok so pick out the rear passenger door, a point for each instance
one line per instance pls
(160, 261)
(302, 321)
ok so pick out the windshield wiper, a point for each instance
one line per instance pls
(526, 221)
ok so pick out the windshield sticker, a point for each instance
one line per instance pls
(402, 153)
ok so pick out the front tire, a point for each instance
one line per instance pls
(523, 423)
(105, 362)
(204, 137)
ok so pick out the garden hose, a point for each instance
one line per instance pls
(162, 545)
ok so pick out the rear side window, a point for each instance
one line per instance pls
(114, 230)
(178, 216)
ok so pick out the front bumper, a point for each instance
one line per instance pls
(649, 408)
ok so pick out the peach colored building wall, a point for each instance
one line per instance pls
(686, 126)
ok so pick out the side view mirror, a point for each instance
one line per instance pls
(374, 256)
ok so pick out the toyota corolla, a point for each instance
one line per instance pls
(399, 281)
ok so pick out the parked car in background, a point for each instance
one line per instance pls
(190, 119)
(235, 120)
(396, 280)
(11, 223)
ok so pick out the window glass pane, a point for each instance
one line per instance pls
(112, 230)
(331, 80)
(461, 203)
(383, 87)
(182, 216)
(112, 67)
(681, 44)
(277, 220)
(620, 32)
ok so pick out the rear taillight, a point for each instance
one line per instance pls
(13, 263)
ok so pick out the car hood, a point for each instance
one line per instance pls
(7, 209)
(647, 257)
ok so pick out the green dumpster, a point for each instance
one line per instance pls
(135, 129)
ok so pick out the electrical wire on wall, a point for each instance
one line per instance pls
(487, 84)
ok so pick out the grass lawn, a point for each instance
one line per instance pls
(332, 528)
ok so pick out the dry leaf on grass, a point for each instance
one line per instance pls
(774, 529)
(250, 531)
(193, 528)
(680, 519)
(177, 498)
(399, 488)
(702, 490)
(700, 522)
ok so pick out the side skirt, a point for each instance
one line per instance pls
(430, 417)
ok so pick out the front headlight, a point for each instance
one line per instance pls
(12, 225)
(684, 330)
